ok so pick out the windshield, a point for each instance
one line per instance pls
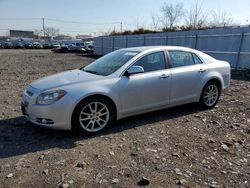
(110, 63)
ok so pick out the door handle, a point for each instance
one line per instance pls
(164, 76)
(202, 70)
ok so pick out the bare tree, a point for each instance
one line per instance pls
(195, 18)
(38, 32)
(51, 31)
(171, 14)
(155, 22)
(221, 18)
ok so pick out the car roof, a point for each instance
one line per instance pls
(148, 49)
(153, 48)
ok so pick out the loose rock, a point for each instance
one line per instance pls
(81, 164)
(9, 175)
(176, 155)
(143, 182)
(46, 172)
(181, 182)
(64, 185)
(115, 181)
(225, 147)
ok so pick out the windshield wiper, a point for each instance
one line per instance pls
(92, 72)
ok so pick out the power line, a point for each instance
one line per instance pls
(122, 24)
(19, 19)
(85, 23)
(68, 21)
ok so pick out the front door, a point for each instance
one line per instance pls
(149, 90)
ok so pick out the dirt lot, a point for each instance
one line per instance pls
(178, 147)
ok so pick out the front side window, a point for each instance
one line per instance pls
(180, 58)
(152, 62)
(110, 63)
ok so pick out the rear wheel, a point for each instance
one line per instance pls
(210, 94)
(93, 116)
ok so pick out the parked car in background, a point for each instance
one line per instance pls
(47, 45)
(18, 45)
(89, 49)
(28, 45)
(37, 45)
(1, 45)
(8, 45)
(76, 46)
(55, 45)
(124, 83)
(61, 49)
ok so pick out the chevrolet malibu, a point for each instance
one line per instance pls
(125, 83)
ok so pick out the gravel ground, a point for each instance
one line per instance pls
(178, 147)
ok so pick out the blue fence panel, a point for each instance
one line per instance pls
(246, 43)
(120, 42)
(229, 44)
(244, 61)
(98, 46)
(136, 41)
(226, 43)
(107, 45)
(155, 41)
(186, 41)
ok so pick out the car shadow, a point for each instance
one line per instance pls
(19, 137)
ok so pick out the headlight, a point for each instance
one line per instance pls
(50, 97)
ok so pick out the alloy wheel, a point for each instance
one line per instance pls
(211, 95)
(94, 116)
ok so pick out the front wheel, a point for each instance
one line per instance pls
(210, 95)
(93, 116)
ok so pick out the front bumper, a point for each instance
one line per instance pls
(54, 116)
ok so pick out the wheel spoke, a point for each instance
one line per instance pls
(98, 122)
(101, 110)
(93, 126)
(90, 107)
(84, 113)
(95, 106)
(89, 123)
(101, 119)
(105, 113)
(84, 119)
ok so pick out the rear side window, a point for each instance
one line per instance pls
(152, 62)
(180, 59)
(197, 60)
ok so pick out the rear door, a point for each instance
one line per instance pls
(187, 72)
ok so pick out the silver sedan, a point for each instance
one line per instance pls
(124, 83)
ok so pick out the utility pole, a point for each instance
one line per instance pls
(43, 28)
(121, 27)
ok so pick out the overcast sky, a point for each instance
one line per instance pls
(101, 15)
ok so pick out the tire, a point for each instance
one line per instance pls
(93, 116)
(210, 95)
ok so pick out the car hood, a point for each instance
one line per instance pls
(63, 79)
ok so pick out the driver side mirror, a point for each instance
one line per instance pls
(134, 70)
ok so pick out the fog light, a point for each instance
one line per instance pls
(44, 121)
